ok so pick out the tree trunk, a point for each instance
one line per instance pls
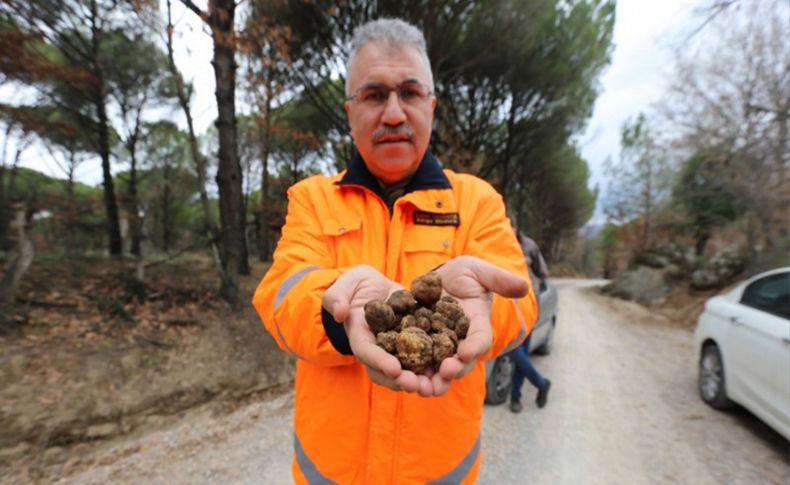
(221, 16)
(4, 206)
(700, 241)
(133, 202)
(166, 225)
(133, 206)
(4, 211)
(648, 206)
(99, 97)
(8, 196)
(209, 224)
(12, 276)
(71, 207)
(264, 249)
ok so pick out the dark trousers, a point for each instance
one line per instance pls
(524, 369)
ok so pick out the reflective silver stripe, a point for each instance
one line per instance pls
(289, 283)
(309, 470)
(462, 470)
(285, 342)
(522, 334)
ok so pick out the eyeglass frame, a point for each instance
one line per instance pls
(355, 97)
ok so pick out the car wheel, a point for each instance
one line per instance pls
(545, 349)
(712, 383)
(500, 381)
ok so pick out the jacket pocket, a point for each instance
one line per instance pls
(431, 239)
(333, 227)
(345, 239)
(425, 248)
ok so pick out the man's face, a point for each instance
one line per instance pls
(392, 136)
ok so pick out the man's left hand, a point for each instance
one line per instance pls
(472, 281)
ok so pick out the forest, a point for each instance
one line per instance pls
(98, 83)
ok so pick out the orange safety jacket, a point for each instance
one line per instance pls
(348, 430)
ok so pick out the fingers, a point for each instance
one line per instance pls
(440, 385)
(450, 368)
(499, 280)
(373, 356)
(425, 386)
(338, 299)
(379, 378)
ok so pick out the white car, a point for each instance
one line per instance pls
(743, 348)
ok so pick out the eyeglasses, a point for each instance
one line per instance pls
(375, 95)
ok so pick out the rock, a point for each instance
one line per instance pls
(721, 270)
(14, 451)
(704, 279)
(644, 285)
(102, 430)
(651, 260)
(680, 255)
(674, 272)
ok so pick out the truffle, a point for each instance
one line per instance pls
(402, 302)
(450, 308)
(415, 350)
(379, 316)
(421, 328)
(386, 340)
(443, 347)
(462, 327)
(427, 288)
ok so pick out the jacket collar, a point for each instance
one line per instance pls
(429, 175)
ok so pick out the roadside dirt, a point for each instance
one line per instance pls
(623, 409)
(87, 355)
(683, 305)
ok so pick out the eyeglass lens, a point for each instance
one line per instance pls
(408, 93)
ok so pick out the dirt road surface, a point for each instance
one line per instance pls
(623, 409)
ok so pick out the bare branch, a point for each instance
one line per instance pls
(191, 6)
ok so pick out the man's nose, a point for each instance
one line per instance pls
(393, 112)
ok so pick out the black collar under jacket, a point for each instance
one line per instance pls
(429, 175)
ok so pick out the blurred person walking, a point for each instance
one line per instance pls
(524, 369)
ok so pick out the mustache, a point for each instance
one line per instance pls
(400, 130)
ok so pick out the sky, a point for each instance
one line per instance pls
(645, 35)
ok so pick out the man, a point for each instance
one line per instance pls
(365, 233)
(520, 355)
(534, 258)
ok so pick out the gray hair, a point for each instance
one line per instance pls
(395, 32)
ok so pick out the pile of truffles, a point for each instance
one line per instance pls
(421, 328)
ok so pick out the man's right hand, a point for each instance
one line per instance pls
(346, 300)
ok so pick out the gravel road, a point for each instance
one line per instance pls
(623, 409)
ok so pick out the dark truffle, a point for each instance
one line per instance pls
(427, 289)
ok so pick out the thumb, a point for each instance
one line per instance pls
(336, 299)
(340, 310)
(476, 343)
(500, 281)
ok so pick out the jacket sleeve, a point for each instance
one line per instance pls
(288, 298)
(493, 239)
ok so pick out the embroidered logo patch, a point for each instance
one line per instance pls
(433, 219)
